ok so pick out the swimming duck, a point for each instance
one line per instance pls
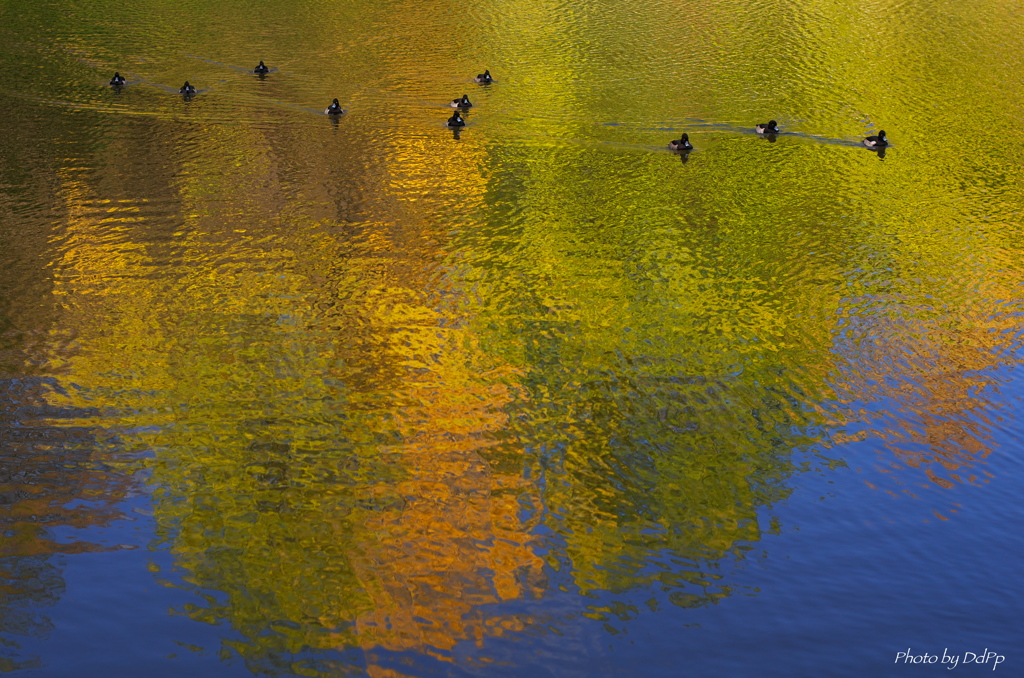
(461, 103)
(770, 127)
(682, 145)
(484, 77)
(187, 89)
(456, 120)
(877, 141)
(334, 108)
(261, 69)
(118, 80)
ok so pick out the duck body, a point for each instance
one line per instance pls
(484, 78)
(456, 120)
(683, 144)
(461, 103)
(770, 127)
(334, 109)
(262, 69)
(118, 80)
(187, 89)
(877, 140)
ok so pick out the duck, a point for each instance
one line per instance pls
(187, 89)
(484, 78)
(456, 120)
(877, 140)
(682, 145)
(118, 80)
(461, 103)
(334, 108)
(261, 69)
(770, 127)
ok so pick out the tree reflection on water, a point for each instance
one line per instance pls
(48, 480)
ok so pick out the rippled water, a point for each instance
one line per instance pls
(289, 395)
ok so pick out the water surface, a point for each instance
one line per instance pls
(282, 394)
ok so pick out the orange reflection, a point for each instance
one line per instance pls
(938, 377)
(459, 543)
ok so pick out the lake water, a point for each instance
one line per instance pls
(290, 394)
